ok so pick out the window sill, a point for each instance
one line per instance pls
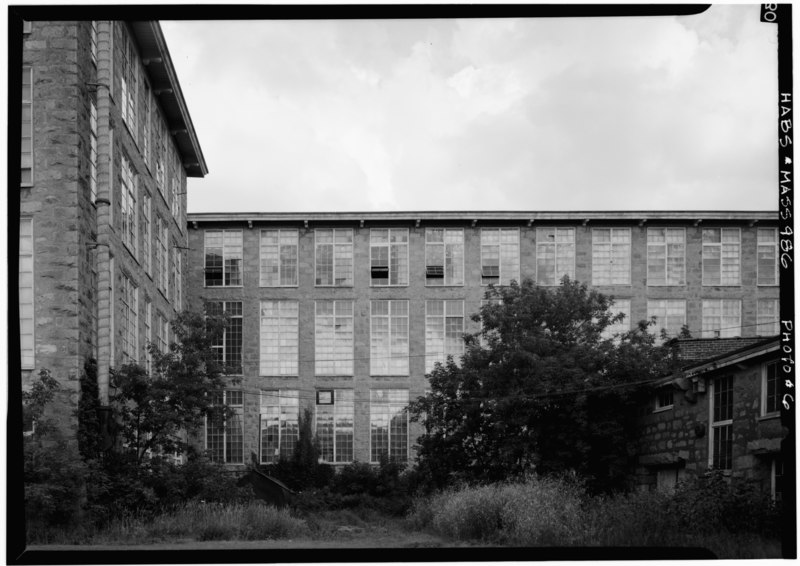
(456, 285)
(663, 409)
(223, 286)
(26, 185)
(295, 286)
(769, 417)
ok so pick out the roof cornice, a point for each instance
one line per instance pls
(640, 217)
(167, 89)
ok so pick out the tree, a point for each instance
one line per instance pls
(539, 389)
(153, 409)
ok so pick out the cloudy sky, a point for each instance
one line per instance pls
(483, 114)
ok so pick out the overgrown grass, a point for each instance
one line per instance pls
(549, 512)
(206, 521)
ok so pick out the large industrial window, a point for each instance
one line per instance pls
(770, 390)
(444, 332)
(388, 252)
(162, 328)
(223, 258)
(333, 338)
(130, 217)
(620, 306)
(722, 318)
(444, 256)
(767, 314)
(721, 262)
(279, 338)
(280, 424)
(388, 423)
(26, 292)
(93, 147)
(499, 256)
(163, 282)
(670, 315)
(129, 82)
(224, 436)
(666, 256)
(722, 423)
(767, 256)
(228, 348)
(130, 321)
(611, 256)
(334, 414)
(389, 337)
(334, 257)
(555, 255)
(278, 258)
(148, 334)
(147, 233)
(26, 166)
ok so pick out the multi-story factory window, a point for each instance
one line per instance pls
(280, 424)
(666, 256)
(130, 218)
(178, 279)
(161, 333)
(146, 126)
(444, 256)
(159, 264)
(722, 423)
(388, 252)
(722, 318)
(26, 166)
(165, 271)
(228, 348)
(224, 435)
(223, 257)
(444, 331)
(279, 338)
(767, 313)
(334, 415)
(767, 263)
(174, 197)
(499, 256)
(611, 256)
(555, 255)
(130, 321)
(148, 334)
(278, 254)
(334, 257)
(333, 338)
(388, 337)
(721, 256)
(147, 233)
(93, 42)
(770, 389)
(93, 148)
(670, 315)
(620, 306)
(388, 424)
(160, 149)
(129, 82)
(26, 292)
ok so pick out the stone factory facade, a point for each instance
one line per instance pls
(340, 314)
(343, 314)
(106, 147)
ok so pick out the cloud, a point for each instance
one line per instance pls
(615, 113)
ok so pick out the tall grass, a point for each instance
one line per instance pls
(550, 512)
(211, 521)
(534, 513)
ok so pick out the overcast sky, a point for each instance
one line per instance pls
(668, 113)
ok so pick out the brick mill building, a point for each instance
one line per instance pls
(343, 314)
(106, 146)
(340, 314)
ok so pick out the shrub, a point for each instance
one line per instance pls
(533, 512)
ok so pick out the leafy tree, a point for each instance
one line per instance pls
(539, 389)
(53, 474)
(153, 409)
